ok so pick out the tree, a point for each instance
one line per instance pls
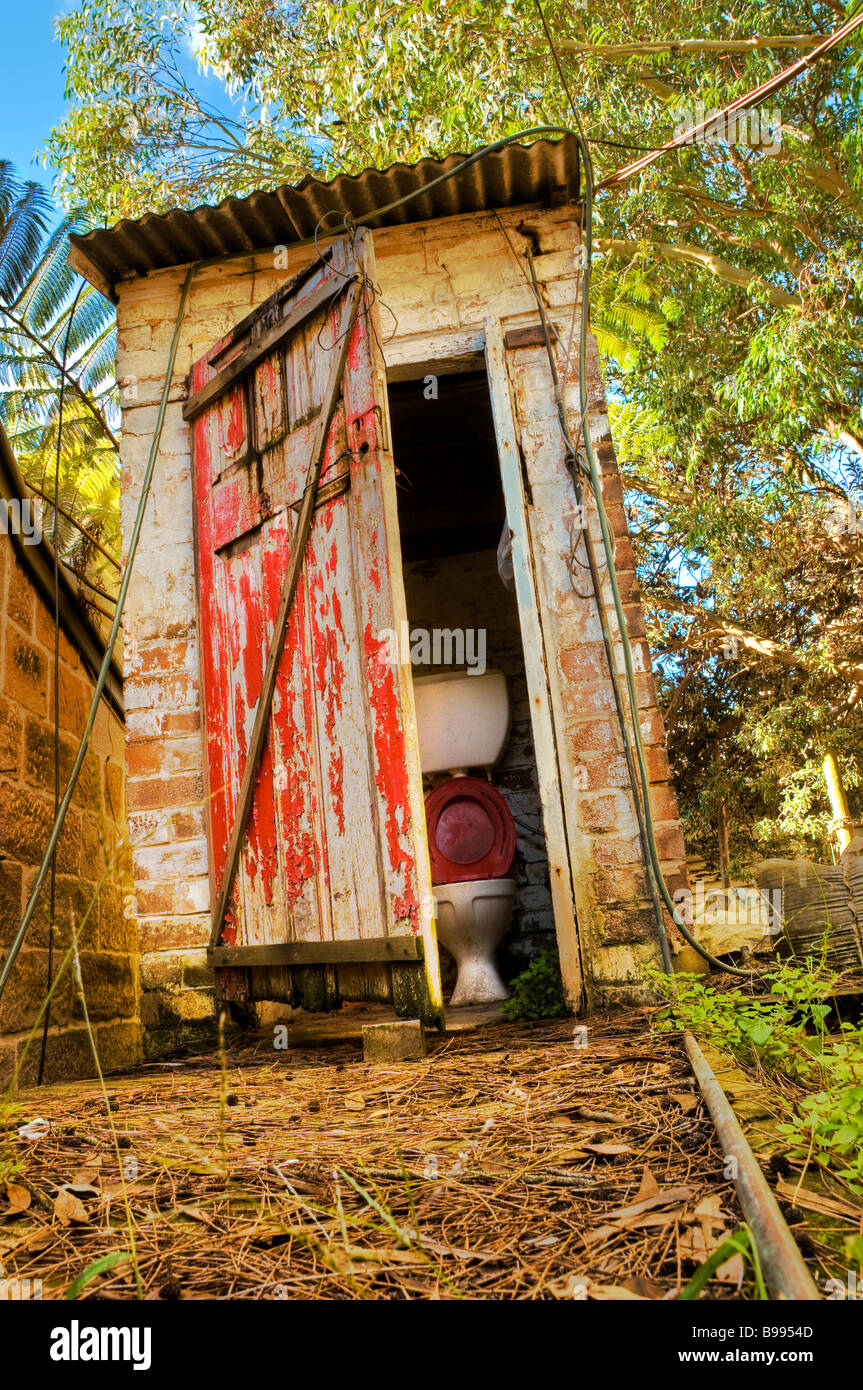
(726, 294)
(37, 298)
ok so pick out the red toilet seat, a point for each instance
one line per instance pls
(471, 831)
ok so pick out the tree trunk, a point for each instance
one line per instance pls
(722, 824)
(843, 825)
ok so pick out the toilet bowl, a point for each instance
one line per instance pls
(463, 722)
(472, 920)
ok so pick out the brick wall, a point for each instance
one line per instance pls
(441, 283)
(92, 849)
(617, 927)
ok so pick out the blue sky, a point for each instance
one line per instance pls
(32, 87)
(31, 92)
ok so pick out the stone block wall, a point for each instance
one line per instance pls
(92, 851)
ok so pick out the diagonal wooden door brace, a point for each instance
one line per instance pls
(258, 737)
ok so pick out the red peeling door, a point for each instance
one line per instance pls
(330, 896)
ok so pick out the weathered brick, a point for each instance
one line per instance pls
(166, 757)
(11, 739)
(76, 694)
(663, 803)
(74, 901)
(26, 671)
(20, 599)
(68, 1056)
(119, 1045)
(156, 792)
(109, 985)
(162, 971)
(593, 735)
(150, 657)
(154, 899)
(117, 931)
(38, 768)
(11, 903)
(617, 926)
(626, 885)
(197, 972)
(185, 1005)
(393, 1042)
(669, 842)
(27, 989)
(602, 812)
(658, 766)
(173, 933)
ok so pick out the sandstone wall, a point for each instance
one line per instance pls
(92, 850)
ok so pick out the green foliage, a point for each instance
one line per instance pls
(776, 1030)
(538, 991)
(11, 1163)
(784, 1033)
(739, 1243)
(828, 1127)
(37, 291)
(100, 1266)
(727, 300)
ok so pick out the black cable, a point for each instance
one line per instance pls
(56, 539)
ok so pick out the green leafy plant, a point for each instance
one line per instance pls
(740, 1243)
(37, 327)
(538, 991)
(10, 1158)
(783, 1032)
(827, 1128)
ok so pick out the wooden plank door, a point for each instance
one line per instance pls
(560, 853)
(332, 896)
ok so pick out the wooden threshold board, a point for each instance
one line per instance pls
(356, 952)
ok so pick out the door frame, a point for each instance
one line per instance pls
(477, 350)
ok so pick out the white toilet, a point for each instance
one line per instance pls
(464, 722)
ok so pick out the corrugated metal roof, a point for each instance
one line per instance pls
(515, 175)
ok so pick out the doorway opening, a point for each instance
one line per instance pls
(453, 536)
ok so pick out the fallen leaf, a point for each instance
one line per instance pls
(570, 1286)
(608, 1150)
(687, 1100)
(613, 1293)
(670, 1196)
(87, 1175)
(732, 1271)
(801, 1197)
(648, 1187)
(68, 1208)
(18, 1197)
(355, 1102)
(197, 1214)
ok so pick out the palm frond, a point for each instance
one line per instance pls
(37, 294)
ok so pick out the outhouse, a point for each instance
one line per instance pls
(387, 326)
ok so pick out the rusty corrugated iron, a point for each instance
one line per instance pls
(545, 171)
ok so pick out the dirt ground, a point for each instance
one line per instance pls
(509, 1164)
